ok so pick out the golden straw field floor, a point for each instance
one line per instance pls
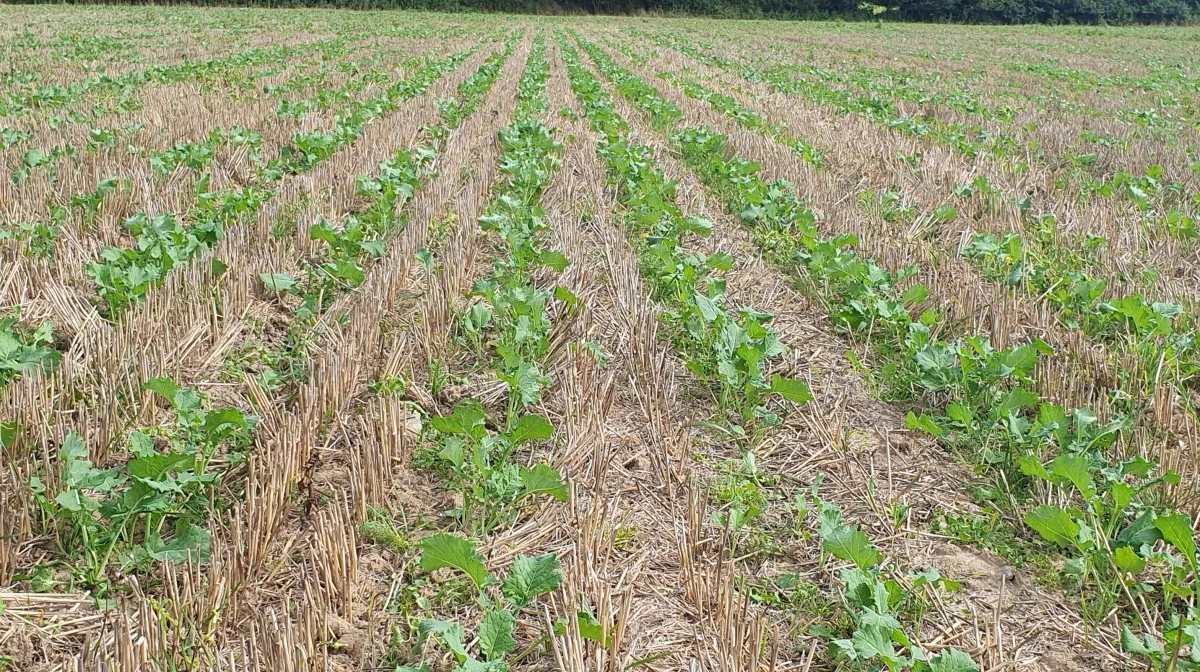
(401, 341)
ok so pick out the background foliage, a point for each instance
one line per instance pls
(968, 11)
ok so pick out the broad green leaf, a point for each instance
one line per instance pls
(945, 213)
(530, 577)
(73, 448)
(792, 389)
(374, 248)
(1054, 524)
(1022, 358)
(960, 413)
(225, 416)
(1030, 466)
(527, 382)
(543, 479)
(1127, 561)
(141, 444)
(1074, 468)
(1017, 399)
(1140, 532)
(452, 450)
(531, 427)
(450, 634)
(8, 434)
(708, 308)
(1177, 531)
(915, 294)
(924, 423)
(69, 500)
(1122, 495)
(163, 387)
(496, 634)
(150, 469)
(467, 420)
(851, 543)
(348, 271)
(565, 295)
(186, 400)
(590, 628)
(189, 542)
(472, 665)
(871, 642)
(1132, 644)
(843, 649)
(278, 282)
(554, 259)
(721, 261)
(952, 660)
(445, 550)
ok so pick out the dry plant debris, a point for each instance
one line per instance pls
(388, 341)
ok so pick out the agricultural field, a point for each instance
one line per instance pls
(397, 341)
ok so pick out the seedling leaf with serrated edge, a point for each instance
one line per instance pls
(496, 634)
(792, 389)
(530, 577)
(543, 479)
(1054, 524)
(445, 550)
(850, 543)
(531, 427)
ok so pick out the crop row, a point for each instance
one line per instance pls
(121, 520)
(975, 397)
(733, 351)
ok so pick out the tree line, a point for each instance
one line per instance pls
(959, 11)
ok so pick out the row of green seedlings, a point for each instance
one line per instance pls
(907, 86)
(114, 521)
(1163, 82)
(727, 105)
(327, 97)
(74, 48)
(242, 70)
(1161, 343)
(1126, 549)
(506, 324)
(968, 140)
(362, 237)
(731, 350)
(735, 352)
(896, 84)
(1160, 335)
(977, 399)
(106, 524)
(196, 155)
(246, 77)
(306, 150)
(313, 76)
(37, 239)
(339, 265)
(124, 88)
(24, 350)
(887, 83)
(362, 76)
(1165, 206)
(123, 276)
